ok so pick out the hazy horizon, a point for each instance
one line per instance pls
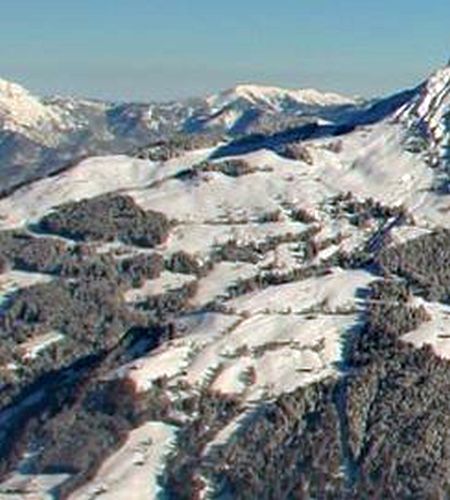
(153, 50)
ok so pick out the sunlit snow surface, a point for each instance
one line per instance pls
(132, 471)
(266, 341)
(435, 332)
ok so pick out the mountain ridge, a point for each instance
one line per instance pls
(38, 135)
(261, 313)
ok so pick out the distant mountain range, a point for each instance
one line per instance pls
(39, 136)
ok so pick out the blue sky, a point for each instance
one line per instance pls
(162, 49)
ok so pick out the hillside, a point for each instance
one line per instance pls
(40, 136)
(253, 302)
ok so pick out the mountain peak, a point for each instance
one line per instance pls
(429, 112)
(434, 97)
(275, 97)
(20, 110)
(11, 90)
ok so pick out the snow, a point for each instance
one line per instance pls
(309, 345)
(274, 333)
(402, 234)
(222, 276)
(132, 471)
(375, 164)
(372, 163)
(430, 108)
(285, 351)
(264, 330)
(274, 96)
(332, 292)
(31, 486)
(200, 239)
(168, 361)
(203, 327)
(286, 369)
(285, 257)
(226, 117)
(226, 109)
(22, 112)
(12, 281)
(89, 178)
(166, 282)
(32, 347)
(272, 340)
(435, 332)
(119, 249)
(218, 198)
(230, 380)
(92, 177)
(171, 359)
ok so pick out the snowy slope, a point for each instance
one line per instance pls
(277, 98)
(429, 113)
(245, 108)
(283, 252)
(23, 113)
(38, 136)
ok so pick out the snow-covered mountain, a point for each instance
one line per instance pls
(267, 316)
(39, 136)
(259, 108)
(429, 113)
(276, 98)
(22, 113)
